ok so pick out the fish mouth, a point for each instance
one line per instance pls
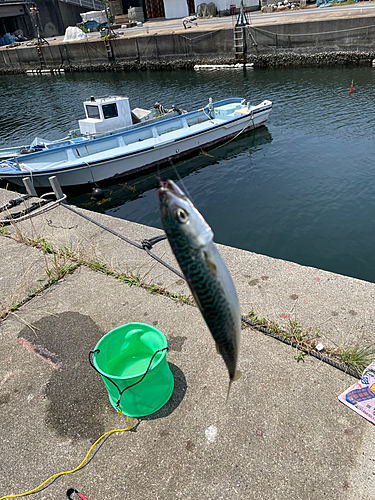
(169, 187)
(170, 195)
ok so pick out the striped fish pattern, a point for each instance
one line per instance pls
(191, 240)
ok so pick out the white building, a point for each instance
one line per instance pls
(227, 4)
(175, 8)
(180, 8)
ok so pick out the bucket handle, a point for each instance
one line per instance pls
(120, 393)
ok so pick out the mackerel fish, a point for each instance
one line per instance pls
(191, 240)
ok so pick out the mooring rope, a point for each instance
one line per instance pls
(147, 245)
(192, 39)
(36, 208)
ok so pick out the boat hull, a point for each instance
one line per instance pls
(129, 164)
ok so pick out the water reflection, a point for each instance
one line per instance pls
(116, 196)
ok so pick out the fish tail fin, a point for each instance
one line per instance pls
(229, 386)
(237, 375)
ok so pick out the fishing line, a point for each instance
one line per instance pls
(182, 182)
(178, 177)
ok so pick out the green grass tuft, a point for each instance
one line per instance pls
(357, 357)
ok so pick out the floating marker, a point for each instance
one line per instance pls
(223, 66)
(351, 87)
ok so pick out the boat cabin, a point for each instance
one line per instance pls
(105, 114)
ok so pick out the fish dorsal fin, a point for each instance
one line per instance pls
(210, 263)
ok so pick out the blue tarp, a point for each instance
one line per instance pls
(91, 25)
(7, 39)
(39, 142)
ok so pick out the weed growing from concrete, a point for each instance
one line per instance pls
(132, 280)
(98, 266)
(65, 261)
(254, 318)
(154, 289)
(42, 244)
(299, 356)
(178, 297)
(357, 357)
(65, 252)
(58, 271)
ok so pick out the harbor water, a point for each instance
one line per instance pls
(302, 188)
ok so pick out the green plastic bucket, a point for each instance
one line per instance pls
(134, 355)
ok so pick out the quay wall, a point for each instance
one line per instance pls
(314, 42)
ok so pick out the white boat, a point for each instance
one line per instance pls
(112, 125)
(136, 148)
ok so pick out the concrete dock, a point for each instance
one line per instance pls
(283, 434)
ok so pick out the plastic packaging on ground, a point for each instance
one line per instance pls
(73, 33)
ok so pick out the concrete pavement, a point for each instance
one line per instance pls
(283, 433)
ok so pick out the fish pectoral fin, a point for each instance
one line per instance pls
(210, 263)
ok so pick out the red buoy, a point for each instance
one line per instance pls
(351, 87)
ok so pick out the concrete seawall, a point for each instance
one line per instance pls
(312, 40)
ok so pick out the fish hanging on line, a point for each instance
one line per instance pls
(191, 240)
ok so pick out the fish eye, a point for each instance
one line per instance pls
(181, 215)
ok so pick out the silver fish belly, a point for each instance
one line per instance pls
(191, 240)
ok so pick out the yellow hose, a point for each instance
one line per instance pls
(73, 470)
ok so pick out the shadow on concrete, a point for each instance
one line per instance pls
(178, 395)
(77, 398)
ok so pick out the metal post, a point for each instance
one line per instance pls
(56, 187)
(29, 186)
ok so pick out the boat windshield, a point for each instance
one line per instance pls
(92, 111)
(110, 110)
